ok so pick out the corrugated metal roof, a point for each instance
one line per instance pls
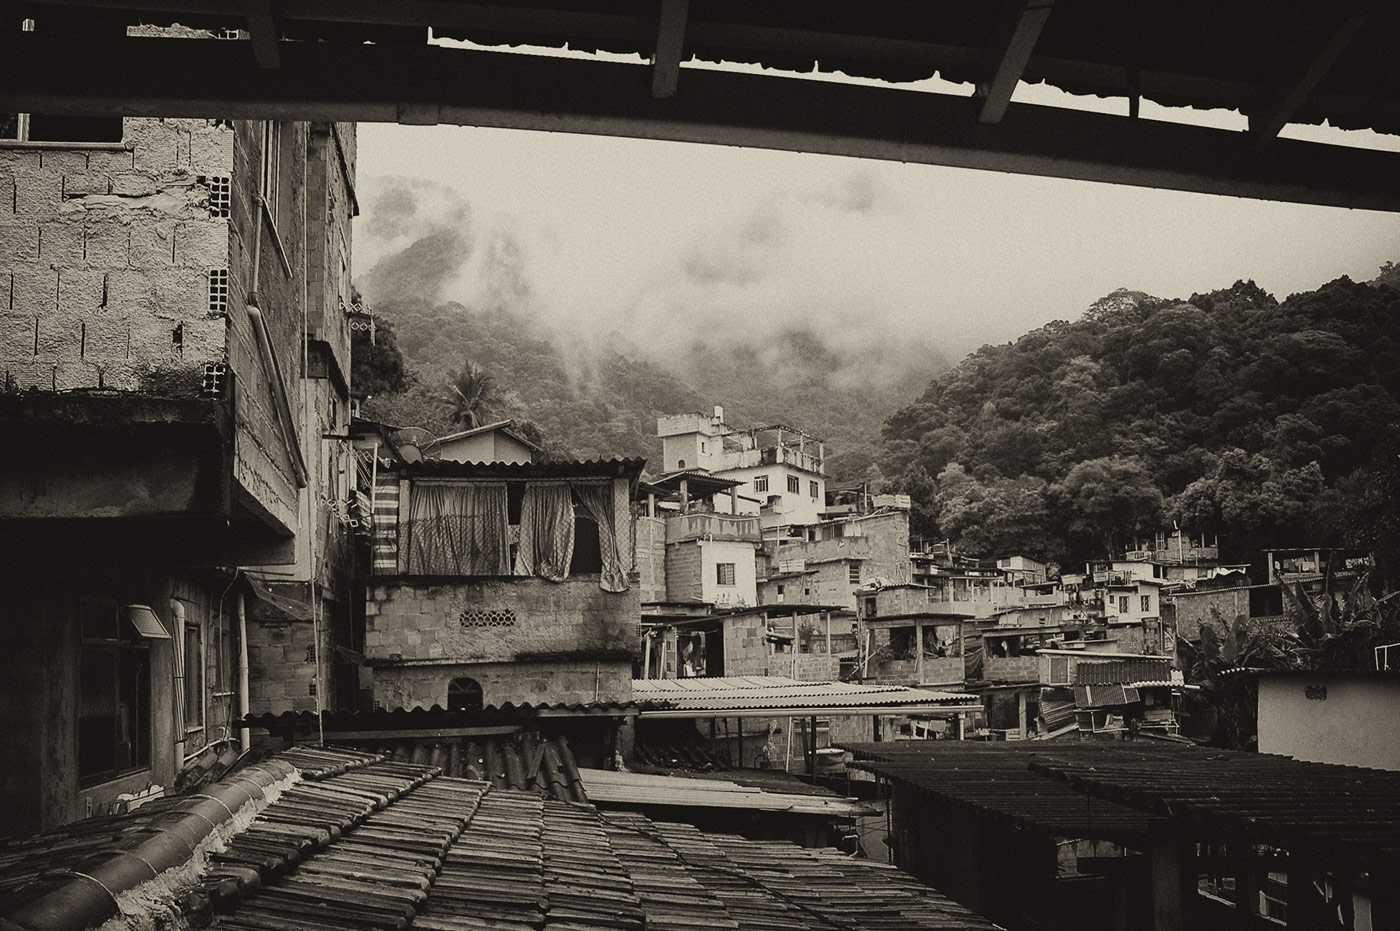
(777, 695)
(1331, 815)
(381, 844)
(570, 468)
(434, 718)
(645, 789)
(996, 778)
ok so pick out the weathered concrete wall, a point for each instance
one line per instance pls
(651, 558)
(1341, 718)
(499, 620)
(262, 447)
(540, 682)
(107, 258)
(1218, 608)
(282, 665)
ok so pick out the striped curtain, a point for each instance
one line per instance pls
(458, 529)
(386, 525)
(546, 531)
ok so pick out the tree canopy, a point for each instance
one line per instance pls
(1230, 412)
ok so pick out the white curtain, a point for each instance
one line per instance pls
(458, 529)
(597, 502)
(546, 531)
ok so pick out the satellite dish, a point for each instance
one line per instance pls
(410, 453)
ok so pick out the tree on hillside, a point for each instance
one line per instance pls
(1109, 499)
(470, 396)
(376, 364)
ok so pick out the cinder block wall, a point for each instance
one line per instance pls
(684, 568)
(568, 681)
(651, 557)
(107, 258)
(498, 620)
(282, 666)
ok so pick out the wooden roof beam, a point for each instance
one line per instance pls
(1007, 59)
(131, 76)
(262, 28)
(670, 39)
(1268, 121)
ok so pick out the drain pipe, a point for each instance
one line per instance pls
(245, 742)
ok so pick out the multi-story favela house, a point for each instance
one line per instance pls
(496, 583)
(782, 470)
(174, 354)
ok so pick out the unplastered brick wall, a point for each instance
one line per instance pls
(282, 665)
(651, 557)
(568, 681)
(498, 620)
(746, 649)
(106, 255)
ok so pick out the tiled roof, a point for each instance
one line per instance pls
(607, 787)
(777, 695)
(436, 717)
(376, 844)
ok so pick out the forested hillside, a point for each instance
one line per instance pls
(1267, 422)
(588, 400)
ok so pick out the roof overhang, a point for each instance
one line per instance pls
(372, 63)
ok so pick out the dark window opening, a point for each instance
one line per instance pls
(46, 127)
(464, 695)
(588, 551)
(114, 701)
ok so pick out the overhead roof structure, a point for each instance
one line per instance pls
(338, 839)
(646, 789)
(1337, 814)
(996, 779)
(834, 76)
(776, 696)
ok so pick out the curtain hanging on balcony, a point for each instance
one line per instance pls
(597, 502)
(458, 529)
(546, 531)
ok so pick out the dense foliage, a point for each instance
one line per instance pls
(1229, 413)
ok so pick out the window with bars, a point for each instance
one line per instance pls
(724, 573)
(854, 573)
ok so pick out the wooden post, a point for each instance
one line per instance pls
(740, 762)
(919, 647)
(1246, 881)
(1173, 864)
(812, 747)
(1021, 712)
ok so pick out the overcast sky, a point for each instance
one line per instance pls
(641, 237)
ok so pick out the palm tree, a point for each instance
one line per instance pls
(469, 396)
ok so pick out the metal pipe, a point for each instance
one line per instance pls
(245, 735)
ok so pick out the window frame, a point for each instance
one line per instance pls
(814, 487)
(1146, 603)
(720, 574)
(124, 645)
(794, 484)
(760, 483)
(853, 573)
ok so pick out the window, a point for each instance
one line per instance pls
(724, 573)
(760, 483)
(194, 674)
(464, 695)
(815, 488)
(1146, 603)
(270, 182)
(1122, 604)
(855, 573)
(114, 698)
(794, 484)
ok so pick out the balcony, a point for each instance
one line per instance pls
(709, 526)
(773, 455)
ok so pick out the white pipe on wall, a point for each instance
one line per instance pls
(245, 740)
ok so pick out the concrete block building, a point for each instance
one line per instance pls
(173, 356)
(502, 583)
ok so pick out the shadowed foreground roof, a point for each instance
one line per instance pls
(356, 842)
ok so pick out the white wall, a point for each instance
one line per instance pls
(744, 591)
(1332, 718)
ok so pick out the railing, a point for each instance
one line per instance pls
(712, 526)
